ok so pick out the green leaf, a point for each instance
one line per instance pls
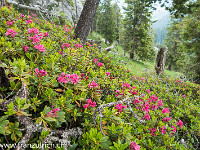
(16, 124)
(44, 133)
(46, 110)
(19, 133)
(3, 65)
(25, 113)
(117, 118)
(3, 118)
(23, 101)
(13, 136)
(105, 142)
(26, 106)
(2, 129)
(39, 120)
(49, 119)
(73, 147)
(124, 146)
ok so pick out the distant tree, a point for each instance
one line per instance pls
(86, 20)
(191, 37)
(183, 40)
(107, 21)
(137, 24)
(174, 43)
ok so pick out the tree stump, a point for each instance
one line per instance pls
(160, 60)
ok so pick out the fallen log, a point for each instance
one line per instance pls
(109, 48)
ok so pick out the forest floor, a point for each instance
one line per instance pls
(139, 68)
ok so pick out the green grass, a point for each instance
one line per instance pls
(137, 67)
(97, 37)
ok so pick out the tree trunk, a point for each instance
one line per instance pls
(85, 21)
(131, 55)
(160, 61)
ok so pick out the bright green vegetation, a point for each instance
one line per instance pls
(139, 68)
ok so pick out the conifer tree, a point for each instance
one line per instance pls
(137, 20)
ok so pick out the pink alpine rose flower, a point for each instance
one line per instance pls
(119, 107)
(165, 110)
(100, 64)
(29, 21)
(46, 34)
(167, 119)
(160, 103)
(60, 52)
(22, 16)
(11, 32)
(9, 23)
(33, 30)
(86, 106)
(92, 85)
(40, 73)
(108, 73)
(25, 48)
(162, 129)
(53, 113)
(153, 130)
(154, 98)
(35, 38)
(174, 128)
(148, 91)
(89, 103)
(74, 78)
(126, 85)
(147, 116)
(180, 123)
(154, 107)
(65, 45)
(134, 146)
(40, 47)
(94, 60)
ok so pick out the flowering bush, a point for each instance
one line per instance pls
(80, 81)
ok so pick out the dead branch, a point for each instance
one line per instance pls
(128, 101)
(24, 6)
(109, 48)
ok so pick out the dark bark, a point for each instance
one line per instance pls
(86, 20)
(131, 55)
(4, 82)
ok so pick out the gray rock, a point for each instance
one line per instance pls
(72, 12)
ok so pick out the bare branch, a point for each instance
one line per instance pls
(23, 6)
(128, 101)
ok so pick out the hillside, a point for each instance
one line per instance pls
(139, 68)
(59, 94)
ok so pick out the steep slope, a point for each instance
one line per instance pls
(58, 90)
